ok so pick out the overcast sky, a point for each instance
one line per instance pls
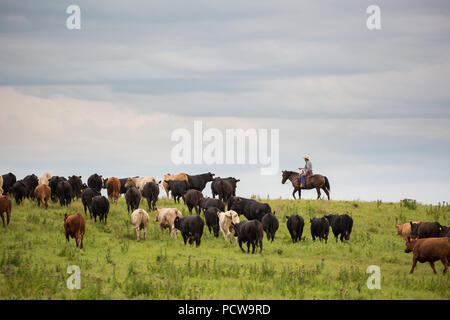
(371, 108)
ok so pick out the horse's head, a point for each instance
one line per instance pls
(285, 176)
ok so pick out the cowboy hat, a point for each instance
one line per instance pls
(306, 157)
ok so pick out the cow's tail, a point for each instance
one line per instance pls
(327, 184)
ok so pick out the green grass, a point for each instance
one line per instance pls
(35, 256)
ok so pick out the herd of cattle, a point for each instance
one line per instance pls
(429, 241)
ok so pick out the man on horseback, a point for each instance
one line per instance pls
(306, 173)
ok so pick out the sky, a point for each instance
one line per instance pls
(370, 107)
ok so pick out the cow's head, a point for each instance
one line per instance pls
(410, 244)
(414, 229)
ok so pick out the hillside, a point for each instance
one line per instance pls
(35, 256)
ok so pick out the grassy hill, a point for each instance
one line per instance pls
(35, 256)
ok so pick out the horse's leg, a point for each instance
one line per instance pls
(299, 193)
(293, 193)
(326, 192)
(318, 193)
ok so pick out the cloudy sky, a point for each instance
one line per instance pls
(371, 108)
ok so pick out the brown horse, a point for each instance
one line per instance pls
(315, 181)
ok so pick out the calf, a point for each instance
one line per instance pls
(429, 250)
(113, 188)
(192, 199)
(95, 182)
(100, 208)
(191, 228)
(77, 186)
(425, 230)
(212, 220)
(206, 203)
(250, 232)
(42, 194)
(250, 208)
(75, 227)
(5, 207)
(132, 198)
(295, 224)
(166, 217)
(86, 198)
(151, 192)
(226, 221)
(140, 219)
(404, 230)
(340, 225)
(320, 227)
(177, 188)
(270, 225)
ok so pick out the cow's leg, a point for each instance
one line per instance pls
(261, 245)
(138, 234)
(253, 247)
(240, 245)
(444, 261)
(413, 265)
(184, 238)
(197, 240)
(3, 219)
(432, 267)
(248, 246)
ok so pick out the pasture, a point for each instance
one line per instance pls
(35, 256)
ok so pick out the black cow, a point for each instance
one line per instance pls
(151, 193)
(425, 230)
(100, 208)
(217, 187)
(95, 182)
(31, 182)
(53, 183)
(132, 198)
(212, 220)
(340, 225)
(8, 181)
(19, 190)
(250, 208)
(64, 192)
(445, 232)
(295, 224)
(192, 199)
(320, 227)
(86, 198)
(191, 228)
(198, 182)
(206, 203)
(250, 232)
(77, 186)
(270, 225)
(177, 188)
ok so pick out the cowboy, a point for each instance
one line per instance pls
(307, 172)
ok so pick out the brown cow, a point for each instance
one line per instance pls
(5, 206)
(167, 177)
(113, 188)
(42, 193)
(75, 226)
(429, 250)
(404, 230)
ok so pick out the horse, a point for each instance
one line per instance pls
(315, 181)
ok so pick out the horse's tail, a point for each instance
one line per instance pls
(327, 184)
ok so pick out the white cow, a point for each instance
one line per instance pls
(166, 217)
(43, 179)
(140, 219)
(225, 220)
(140, 182)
